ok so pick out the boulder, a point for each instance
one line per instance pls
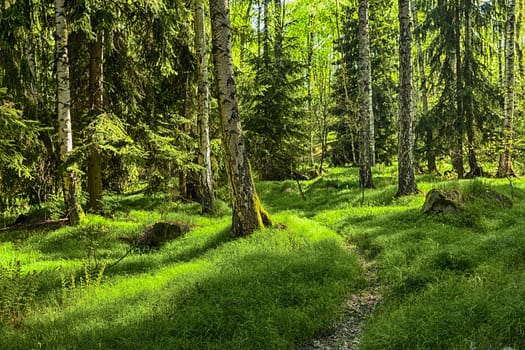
(438, 201)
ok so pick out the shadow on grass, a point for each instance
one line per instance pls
(242, 296)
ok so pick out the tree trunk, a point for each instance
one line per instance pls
(65, 132)
(505, 161)
(475, 169)
(96, 100)
(248, 213)
(203, 126)
(406, 177)
(366, 154)
(429, 137)
(457, 152)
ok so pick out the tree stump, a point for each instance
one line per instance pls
(158, 234)
(438, 201)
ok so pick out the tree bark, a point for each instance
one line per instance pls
(505, 160)
(248, 213)
(406, 177)
(366, 154)
(203, 125)
(457, 152)
(429, 137)
(475, 170)
(65, 132)
(96, 100)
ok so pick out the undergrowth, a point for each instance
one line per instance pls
(449, 281)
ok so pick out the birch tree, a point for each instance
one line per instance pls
(366, 149)
(505, 160)
(65, 133)
(406, 177)
(206, 187)
(248, 213)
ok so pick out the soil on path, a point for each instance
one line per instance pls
(347, 333)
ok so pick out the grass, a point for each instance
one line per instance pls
(450, 281)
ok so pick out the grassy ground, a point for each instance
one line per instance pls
(451, 281)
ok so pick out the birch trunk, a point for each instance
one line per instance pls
(65, 133)
(366, 154)
(206, 175)
(505, 161)
(406, 177)
(248, 213)
(96, 100)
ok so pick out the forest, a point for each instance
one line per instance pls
(262, 174)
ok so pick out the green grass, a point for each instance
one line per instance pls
(450, 281)
(276, 289)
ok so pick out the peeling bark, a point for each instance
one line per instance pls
(248, 213)
(206, 187)
(366, 117)
(505, 161)
(65, 132)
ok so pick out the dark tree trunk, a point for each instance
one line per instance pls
(96, 93)
(406, 177)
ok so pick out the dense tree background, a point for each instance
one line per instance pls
(134, 100)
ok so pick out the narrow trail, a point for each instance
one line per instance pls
(347, 333)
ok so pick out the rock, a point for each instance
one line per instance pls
(438, 201)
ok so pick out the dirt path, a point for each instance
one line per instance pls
(346, 334)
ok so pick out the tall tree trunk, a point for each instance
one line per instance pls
(309, 62)
(65, 132)
(475, 170)
(406, 177)
(203, 125)
(248, 213)
(505, 161)
(366, 154)
(429, 137)
(457, 151)
(96, 100)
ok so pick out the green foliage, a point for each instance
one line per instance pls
(17, 292)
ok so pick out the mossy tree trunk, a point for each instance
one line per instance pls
(206, 175)
(65, 132)
(366, 117)
(406, 177)
(248, 213)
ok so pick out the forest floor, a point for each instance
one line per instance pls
(356, 310)
(335, 274)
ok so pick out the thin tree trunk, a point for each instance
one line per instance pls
(203, 126)
(505, 161)
(406, 177)
(96, 100)
(65, 132)
(429, 137)
(366, 158)
(475, 169)
(457, 152)
(309, 60)
(248, 213)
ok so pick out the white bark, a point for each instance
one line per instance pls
(248, 213)
(505, 161)
(206, 175)
(65, 133)
(366, 116)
